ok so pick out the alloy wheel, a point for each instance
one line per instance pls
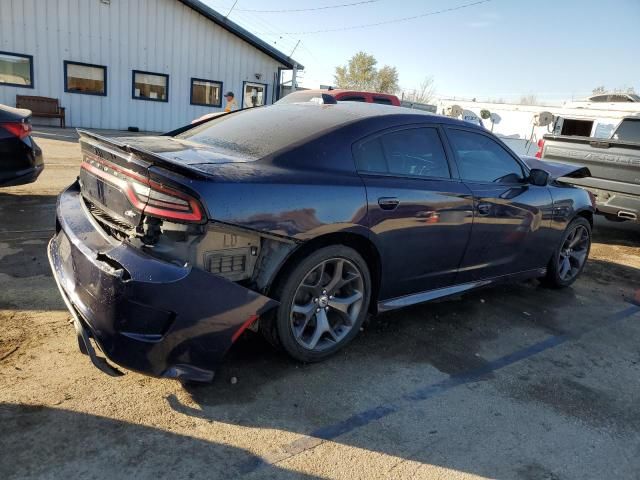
(573, 253)
(326, 304)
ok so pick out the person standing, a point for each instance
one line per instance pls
(232, 105)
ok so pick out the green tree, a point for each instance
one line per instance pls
(387, 80)
(361, 73)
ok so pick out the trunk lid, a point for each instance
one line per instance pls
(557, 169)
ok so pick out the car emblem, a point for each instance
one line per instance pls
(130, 213)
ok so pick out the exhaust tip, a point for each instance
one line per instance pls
(627, 215)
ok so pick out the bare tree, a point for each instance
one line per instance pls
(599, 90)
(425, 93)
(530, 99)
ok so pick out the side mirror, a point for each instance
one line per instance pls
(538, 177)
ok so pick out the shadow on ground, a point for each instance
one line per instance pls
(40, 442)
(625, 234)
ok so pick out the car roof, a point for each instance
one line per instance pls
(335, 91)
(255, 133)
(347, 112)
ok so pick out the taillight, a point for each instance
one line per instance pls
(19, 129)
(165, 202)
(146, 195)
(540, 148)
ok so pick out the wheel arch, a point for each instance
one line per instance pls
(358, 242)
(586, 214)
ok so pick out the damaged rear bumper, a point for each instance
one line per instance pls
(144, 314)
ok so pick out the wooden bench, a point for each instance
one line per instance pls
(42, 107)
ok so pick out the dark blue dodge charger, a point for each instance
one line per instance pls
(297, 221)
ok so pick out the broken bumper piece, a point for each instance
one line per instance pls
(144, 314)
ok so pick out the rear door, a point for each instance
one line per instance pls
(512, 218)
(420, 217)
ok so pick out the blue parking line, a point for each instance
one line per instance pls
(361, 419)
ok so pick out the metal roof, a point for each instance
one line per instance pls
(237, 30)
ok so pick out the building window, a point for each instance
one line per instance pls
(254, 95)
(207, 93)
(150, 86)
(16, 70)
(85, 78)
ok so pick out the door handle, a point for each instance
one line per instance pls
(484, 209)
(388, 203)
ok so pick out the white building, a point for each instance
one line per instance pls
(515, 123)
(151, 64)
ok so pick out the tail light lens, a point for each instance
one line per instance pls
(19, 129)
(148, 196)
(164, 202)
(540, 148)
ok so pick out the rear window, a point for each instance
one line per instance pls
(352, 98)
(628, 131)
(382, 100)
(257, 132)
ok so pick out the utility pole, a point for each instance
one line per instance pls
(294, 78)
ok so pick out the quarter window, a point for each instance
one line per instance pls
(85, 78)
(416, 152)
(150, 86)
(206, 92)
(16, 70)
(255, 95)
(481, 159)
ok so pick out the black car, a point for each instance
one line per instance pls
(20, 158)
(298, 220)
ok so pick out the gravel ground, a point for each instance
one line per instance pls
(511, 382)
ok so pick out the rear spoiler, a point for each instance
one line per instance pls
(151, 157)
(557, 169)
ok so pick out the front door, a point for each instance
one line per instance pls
(512, 218)
(420, 217)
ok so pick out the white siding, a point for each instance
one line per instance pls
(163, 36)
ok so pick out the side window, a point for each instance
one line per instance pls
(482, 159)
(417, 152)
(382, 100)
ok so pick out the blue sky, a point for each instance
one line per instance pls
(499, 49)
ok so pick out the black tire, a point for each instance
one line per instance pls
(555, 277)
(278, 328)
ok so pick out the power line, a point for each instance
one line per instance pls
(231, 9)
(312, 9)
(387, 22)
